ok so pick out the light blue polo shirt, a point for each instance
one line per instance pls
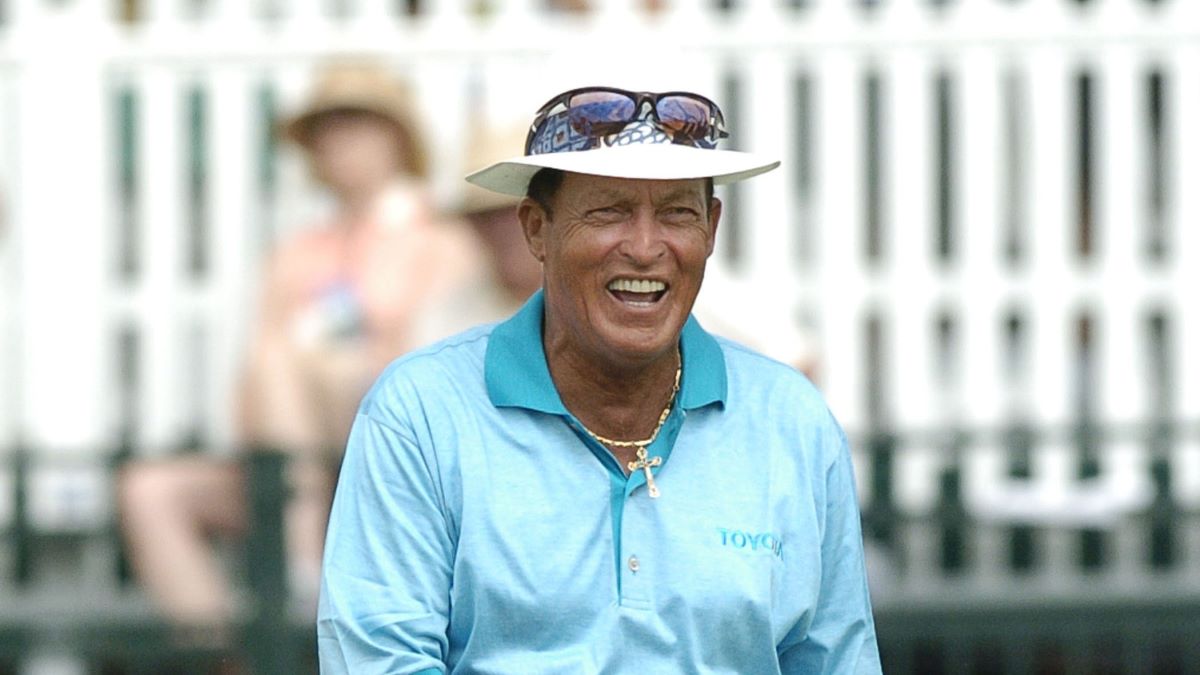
(478, 529)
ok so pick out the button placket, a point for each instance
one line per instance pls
(636, 580)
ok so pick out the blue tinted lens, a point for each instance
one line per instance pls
(685, 117)
(599, 112)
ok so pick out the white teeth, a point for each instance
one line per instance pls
(637, 285)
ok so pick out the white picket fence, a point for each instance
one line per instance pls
(924, 226)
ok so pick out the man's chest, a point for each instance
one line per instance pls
(549, 537)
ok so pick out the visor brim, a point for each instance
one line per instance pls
(643, 162)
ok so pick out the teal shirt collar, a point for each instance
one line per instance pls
(517, 375)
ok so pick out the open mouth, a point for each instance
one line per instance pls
(637, 292)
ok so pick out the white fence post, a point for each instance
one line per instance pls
(159, 312)
(767, 209)
(980, 305)
(907, 250)
(838, 161)
(65, 365)
(1052, 361)
(232, 163)
(1182, 108)
(1120, 352)
(10, 354)
(10, 393)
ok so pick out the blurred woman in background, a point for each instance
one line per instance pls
(339, 301)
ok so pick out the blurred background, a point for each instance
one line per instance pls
(979, 245)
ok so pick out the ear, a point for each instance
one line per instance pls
(714, 218)
(533, 223)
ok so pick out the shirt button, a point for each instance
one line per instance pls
(634, 565)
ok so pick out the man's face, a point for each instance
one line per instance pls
(623, 260)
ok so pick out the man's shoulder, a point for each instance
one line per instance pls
(774, 398)
(743, 361)
(758, 377)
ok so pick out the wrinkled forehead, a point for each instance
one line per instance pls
(588, 188)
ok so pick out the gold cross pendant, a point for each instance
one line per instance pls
(645, 464)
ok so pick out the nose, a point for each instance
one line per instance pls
(643, 240)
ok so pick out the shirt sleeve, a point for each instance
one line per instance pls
(841, 636)
(385, 583)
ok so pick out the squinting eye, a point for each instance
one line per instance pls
(681, 212)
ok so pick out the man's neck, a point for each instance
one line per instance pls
(616, 400)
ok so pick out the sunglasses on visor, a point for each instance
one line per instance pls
(580, 118)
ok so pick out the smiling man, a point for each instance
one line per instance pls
(597, 484)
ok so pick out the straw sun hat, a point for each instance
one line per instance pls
(360, 87)
(641, 153)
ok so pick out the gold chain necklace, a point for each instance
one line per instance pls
(643, 462)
